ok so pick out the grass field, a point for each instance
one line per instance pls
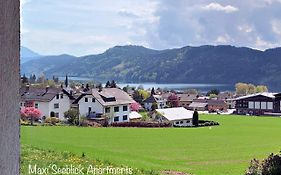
(220, 150)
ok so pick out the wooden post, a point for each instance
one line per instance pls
(9, 86)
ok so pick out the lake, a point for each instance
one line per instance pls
(172, 86)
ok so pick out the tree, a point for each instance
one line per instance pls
(261, 88)
(211, 96)
(24, 79)
(152, 91)
(154, 106)
(30, 113)
(173, 100)
(72, 116)
(195, 118)
(113, 84)
(251, 89)
(213, 91)
(135, 106)
(108, 84)
(241, 88)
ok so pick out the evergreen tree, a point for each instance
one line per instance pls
(152, 91)
(24, 79)
(195, 118)
(107, 85)
(113, 84)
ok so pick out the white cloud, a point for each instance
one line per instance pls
(276, 27)
(218, 7)
(223, 39)
(245, 28)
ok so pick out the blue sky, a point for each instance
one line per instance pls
(82, 27)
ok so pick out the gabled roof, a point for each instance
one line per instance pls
(173, 114)
(186, 97)
(153, 99)
(41, 94)
(198, 105)
(264, 94)
(108, 96)
(210, 101)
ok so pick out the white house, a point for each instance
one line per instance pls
(177, 116)
(157, 99)
(49, 101)
(112, 103)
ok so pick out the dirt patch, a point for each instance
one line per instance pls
(169, 172)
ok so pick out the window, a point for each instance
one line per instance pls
(263, 105)
(86, 99)
(251, 104)
(61, 96)
(89, 109)
(177, 123)
(20, 104)
(107, 110)
(56, 105)
(36, 105)
(125, 108)
(58, 96)
(93, 100)
(257, 105)
(125, 117)
(116, 109)
(269, 105)
(116, 119)
(181, 122)
(57, 115)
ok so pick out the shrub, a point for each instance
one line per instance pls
(52, 120)
(141, 124)
(72, 116)
(269, 166)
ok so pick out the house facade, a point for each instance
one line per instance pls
(49, 101)
(178, 116)
(259, 104)
(112, 103)
(155, 99)
(210, 105)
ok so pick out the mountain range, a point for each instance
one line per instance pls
(221, 64)
(27, 54)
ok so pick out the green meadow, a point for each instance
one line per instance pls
(218, 150)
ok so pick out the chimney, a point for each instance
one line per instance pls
(47, 89)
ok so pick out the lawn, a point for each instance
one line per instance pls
(219, 150)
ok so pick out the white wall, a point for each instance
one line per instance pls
(64, 105)
(84, 106)
(119, 114)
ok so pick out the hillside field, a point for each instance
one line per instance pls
(219, 150)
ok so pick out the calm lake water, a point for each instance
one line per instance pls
(173, 86)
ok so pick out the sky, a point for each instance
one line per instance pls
(82, 27)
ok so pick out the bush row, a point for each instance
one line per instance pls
(141, 124)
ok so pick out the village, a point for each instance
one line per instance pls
(110, 105)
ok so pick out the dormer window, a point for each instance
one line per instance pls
(93, 100)
(86, 99)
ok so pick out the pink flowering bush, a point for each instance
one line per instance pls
(135, 106)
(30, 113)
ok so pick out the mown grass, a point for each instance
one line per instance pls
(219, 150)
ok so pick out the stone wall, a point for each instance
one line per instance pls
(9, 87)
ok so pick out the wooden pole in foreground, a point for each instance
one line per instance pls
(9, 86)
